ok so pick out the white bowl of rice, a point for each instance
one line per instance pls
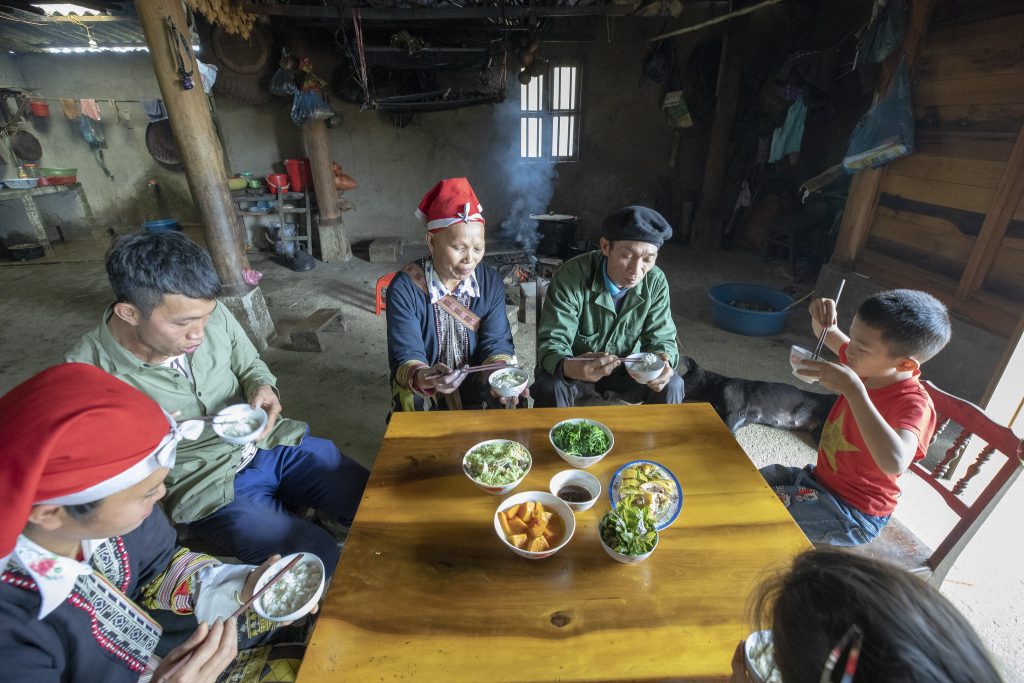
(296, 593)
(645, 366)
(240, 424)
(509, 382)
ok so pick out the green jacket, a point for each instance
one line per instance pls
(579, 315)
(227, 369)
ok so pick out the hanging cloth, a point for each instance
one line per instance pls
(70, 108)
(787, 138)
(154, 109)
(91, 109)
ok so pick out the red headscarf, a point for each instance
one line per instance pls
(451, 201)
(72, 429)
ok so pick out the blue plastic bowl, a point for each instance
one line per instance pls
(161, 225)
(743, 321)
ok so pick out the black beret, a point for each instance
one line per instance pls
(637, 223)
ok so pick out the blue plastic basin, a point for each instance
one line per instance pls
(161, 225)
(743, 321)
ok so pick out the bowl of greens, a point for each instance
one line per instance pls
(581, 442)
(628, 533)
(497, 466)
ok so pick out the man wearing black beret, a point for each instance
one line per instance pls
(603, 306)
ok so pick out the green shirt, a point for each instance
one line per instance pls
(579, 315)
(227, 370)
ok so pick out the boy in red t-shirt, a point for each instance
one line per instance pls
(883, 420)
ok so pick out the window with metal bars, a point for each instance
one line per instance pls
(549, 115)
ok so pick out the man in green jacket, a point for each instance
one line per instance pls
(167, 336)
(600, 308)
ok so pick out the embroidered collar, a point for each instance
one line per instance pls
(54, 574)
(437, 289)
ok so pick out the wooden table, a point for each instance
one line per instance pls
(425, 590)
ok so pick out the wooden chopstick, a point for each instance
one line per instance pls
(824, 330)
(237, 613)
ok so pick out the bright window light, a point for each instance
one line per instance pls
(549, 116)
(51, 8)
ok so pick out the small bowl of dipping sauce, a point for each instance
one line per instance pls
(579, 489)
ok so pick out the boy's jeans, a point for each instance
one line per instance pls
(823, 517)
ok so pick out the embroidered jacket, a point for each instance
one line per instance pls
(62, 620)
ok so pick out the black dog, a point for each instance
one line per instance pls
(748, 401)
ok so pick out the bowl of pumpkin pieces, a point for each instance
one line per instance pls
(534, 524)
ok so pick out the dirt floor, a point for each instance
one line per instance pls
(343, 392)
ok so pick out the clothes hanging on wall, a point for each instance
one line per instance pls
(91, 109)
(786, 139)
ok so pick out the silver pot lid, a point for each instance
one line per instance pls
(557, 217)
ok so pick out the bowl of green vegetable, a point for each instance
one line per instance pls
(581, 442)
(628, 533)
(497, 465)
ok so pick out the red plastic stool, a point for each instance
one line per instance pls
(382, 287)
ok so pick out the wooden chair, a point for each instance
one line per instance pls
(382, 291)
(898, 544)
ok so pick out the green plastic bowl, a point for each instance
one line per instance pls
(57, 171)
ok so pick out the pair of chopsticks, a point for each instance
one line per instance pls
(621, 360)
(826, 328)
(238, 612)
(472, 368)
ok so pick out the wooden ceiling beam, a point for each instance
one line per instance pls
(336, 13)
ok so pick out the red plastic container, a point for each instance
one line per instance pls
(39, 108)
(278, 182)
(299, 174)
(58, 180)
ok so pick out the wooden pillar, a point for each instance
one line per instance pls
(192, 125)
(707, 232)
(862, 200)
(334, 245)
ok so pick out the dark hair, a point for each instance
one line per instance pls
(83, 511)
(143, 267)
(912, 323)
(912, 634)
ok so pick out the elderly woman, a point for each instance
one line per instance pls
(447, 311)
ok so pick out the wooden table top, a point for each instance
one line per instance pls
(426, 591)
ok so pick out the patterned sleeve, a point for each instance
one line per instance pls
(174, 589)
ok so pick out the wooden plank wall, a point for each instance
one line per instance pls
(968, 99)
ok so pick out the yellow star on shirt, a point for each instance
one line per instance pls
(833, 441)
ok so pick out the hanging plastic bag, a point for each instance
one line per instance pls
(93, 136)
(208, 75)
(886, 132)
(885, 32)
(309, 106)
(283, 82)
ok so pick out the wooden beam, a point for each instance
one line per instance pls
(334, 244)
(863, 197)
(339, 13)
(189, 114)
(716, 20)
(707, 231)
(1000, 212)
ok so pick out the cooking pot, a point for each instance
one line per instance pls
(557, 232)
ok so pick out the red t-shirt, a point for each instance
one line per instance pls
(846, 467)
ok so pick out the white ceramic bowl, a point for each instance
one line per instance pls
(551, 503)
(520, 374)
(229, 417)
(307, 605)
(489, 488)
(762, 668)
(643, 376)
(580, 460)
(622, 557)
(578, 478)
(797, 354)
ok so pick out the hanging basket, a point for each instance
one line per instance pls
(39, 108)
